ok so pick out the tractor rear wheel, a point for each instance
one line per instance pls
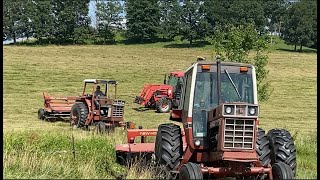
(41, 114)
(79, 114)
(262, 147)
(281, 171)
(283, 148)
(190, 171)
(163, 105)
(273, 132)
(168, 148)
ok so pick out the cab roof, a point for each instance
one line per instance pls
(223, 63)
(100, 81)
(177, 73)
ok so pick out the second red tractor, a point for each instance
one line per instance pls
(162, 97)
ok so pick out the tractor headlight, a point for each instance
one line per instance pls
(197, 143)
(228, 110)
(253, 110)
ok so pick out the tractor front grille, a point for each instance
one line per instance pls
(117, 108)
(239, 133)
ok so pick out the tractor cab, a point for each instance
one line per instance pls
(214, 90)
(102, 93)
(99, 102)
(175, 79)
(100, 89)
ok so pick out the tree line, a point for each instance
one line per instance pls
(60, 21)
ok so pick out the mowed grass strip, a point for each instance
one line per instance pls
(60, 70)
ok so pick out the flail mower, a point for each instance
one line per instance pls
(93, 107)
(162, 97)
(219, 136)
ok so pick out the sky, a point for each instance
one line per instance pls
(92, 9)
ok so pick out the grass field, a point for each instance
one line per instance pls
(60, 70)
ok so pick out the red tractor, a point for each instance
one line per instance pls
(101, 110)
(164, 96)
(93, 107)
(219, 136)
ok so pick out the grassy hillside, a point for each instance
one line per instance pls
(60, 70)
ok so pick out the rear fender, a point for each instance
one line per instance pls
(88, 103)
(90, 115)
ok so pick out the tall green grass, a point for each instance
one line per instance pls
(306, 156)
(39, 154)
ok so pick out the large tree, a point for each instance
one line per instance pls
(300, 24)
(109, 18)
(26, 18)
(248, 11)
(222, 13)
(194, 25)
(12, 13)
(274, 11)
(217, 12)
(143, 18)
(236, 43)
(71, 20)
(42, 19)
(170, 12)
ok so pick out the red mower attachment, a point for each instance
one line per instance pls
(136, 152)
(56, 107)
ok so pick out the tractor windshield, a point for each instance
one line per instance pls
(206, 95)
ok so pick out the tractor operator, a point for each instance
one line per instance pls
(98, 92)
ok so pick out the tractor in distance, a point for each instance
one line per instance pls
(219, 136)
(102, 109)
(162, 97)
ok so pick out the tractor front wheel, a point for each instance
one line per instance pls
(283, 148)
(100, 127)
(281, 171)
(110, 128)
(163, 105)
(168, 149)
(41, 114)
(190, 171)
(78, 115)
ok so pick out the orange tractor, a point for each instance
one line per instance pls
(162, 97)
(219, 136)
(93, 107)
